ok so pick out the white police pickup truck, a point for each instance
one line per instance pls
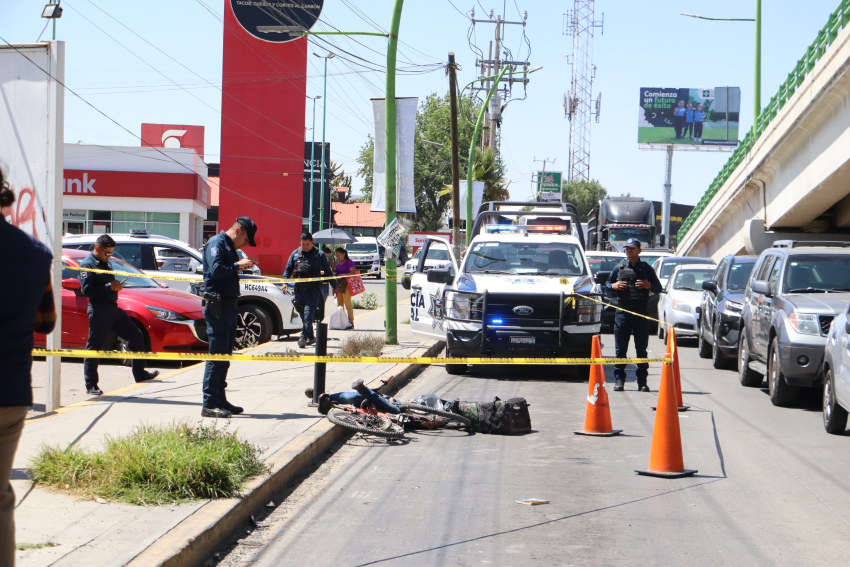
(512, 296)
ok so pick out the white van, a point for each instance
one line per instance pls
(366, 255)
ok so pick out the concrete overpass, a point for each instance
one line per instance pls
(790, 177)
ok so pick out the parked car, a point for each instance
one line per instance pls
(601, 265)
(836, 375)
(664, 266)
(170, 320)
(264, 310)
(681, 298)
(720, 310)
(366, 255)
(795, 291)
(438, 257)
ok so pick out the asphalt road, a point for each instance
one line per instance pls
(772, 487)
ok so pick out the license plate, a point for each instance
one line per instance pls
(179, 266)
(522, 340)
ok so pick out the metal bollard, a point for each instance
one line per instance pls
(319, 367)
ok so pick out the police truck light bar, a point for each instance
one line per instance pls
(527, 228)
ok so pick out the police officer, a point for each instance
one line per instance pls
(307, 261)
(221, 281)
(105, 315)
(632, 280)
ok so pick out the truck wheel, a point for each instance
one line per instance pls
(405, 283)
(781, 393)
(455, 369)
(746, 375)
(834, 416)
(380, 274)
(661, 331)
(253, 326)
(719, 361)
(704, 347)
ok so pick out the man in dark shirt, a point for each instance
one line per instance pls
(307, 261)
(221, 283)
(631, 281)
(105, 315)
(26, 306)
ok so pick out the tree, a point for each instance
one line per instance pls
(432, 170)
(339, 179)
(583, 194)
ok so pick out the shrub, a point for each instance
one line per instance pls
(362, 344)
(366, 301)
(154, 465)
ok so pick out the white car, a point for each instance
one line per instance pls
(438, 258)
(264, 310)
(604, 261)
(366, 255)
(680, 298)
(836, 375)
(510, 297)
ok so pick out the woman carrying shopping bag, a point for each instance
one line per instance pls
(344, 266)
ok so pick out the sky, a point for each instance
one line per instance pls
(642, 44)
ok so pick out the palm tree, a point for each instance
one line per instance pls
(486, 168)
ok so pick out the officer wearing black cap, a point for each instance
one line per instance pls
(105, 315)
(632, 280)
(221, 281)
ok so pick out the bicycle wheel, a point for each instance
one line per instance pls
(460, 420)
(369, 424)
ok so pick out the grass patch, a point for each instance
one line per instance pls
(362, 344)
(406, 322)
(26, 546)
(154, 465)
(366, 301)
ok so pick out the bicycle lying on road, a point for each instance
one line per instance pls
(367, 411)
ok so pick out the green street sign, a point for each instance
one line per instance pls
(549, 181)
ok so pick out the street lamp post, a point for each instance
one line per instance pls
(312, 161)
(757, 78)
(324, 120)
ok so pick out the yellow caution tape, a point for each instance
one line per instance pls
(77, 353)
(200, 278)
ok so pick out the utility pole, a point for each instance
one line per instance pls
(455, 157)
(489, 68)
(537, 188)
(580, 24)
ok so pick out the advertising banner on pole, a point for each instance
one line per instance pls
(477, 198)
(32, 152)
(549, 186)
(405, 124)
(689, 117)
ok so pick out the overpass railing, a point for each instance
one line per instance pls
(837, 21)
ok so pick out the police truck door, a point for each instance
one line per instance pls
(426, 298)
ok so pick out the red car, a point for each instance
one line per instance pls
(170, 320)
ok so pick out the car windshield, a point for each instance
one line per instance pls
(438, 253)
(649, 258)
(119, 266)
(668, 266)
(691, 280)
(622, 234)
(539, 258)
(602, 263)
(361, 247)
(823, 272)
(739, 274)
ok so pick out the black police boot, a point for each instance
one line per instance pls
(94, 391)
(215, 412)
(311, 342)
(644, 388)
(227, 406)
(148, 376)
(302, 343)
(619, 386)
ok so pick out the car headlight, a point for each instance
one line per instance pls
(680, 306)
(165, 314)
(734, 307)
(588, 311)
(805, 323)
(464, 307)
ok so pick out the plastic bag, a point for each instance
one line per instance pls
(432, 401)
(356, 285)
(339, 320)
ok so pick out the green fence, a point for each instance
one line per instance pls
(838, 20)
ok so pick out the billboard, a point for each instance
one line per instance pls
(173, 136)
(549, 186)
(313, 150)
(689, 117)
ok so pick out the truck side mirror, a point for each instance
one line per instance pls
(594, 239)
(710, 285)
(437, 275)
(602, 277)
(761, 287)
(662, 240)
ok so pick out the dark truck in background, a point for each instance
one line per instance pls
(616, 219)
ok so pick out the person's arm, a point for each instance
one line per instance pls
(612, 278)
(652, 277)
(218, 267)
(94, 285)
(45, 317)
(290, 265)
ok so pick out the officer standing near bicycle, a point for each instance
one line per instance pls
(632, 280)
(221, 281)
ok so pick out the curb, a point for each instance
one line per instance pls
(191, 542)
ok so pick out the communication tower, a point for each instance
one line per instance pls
(579, 105)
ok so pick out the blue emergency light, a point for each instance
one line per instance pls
(496, 321)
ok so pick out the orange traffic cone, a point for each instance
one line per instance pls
(597, 419)
(673, 351)
(665, 457)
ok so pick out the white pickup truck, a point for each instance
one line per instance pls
(513, 294)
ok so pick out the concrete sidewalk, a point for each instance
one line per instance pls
(276, 413)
